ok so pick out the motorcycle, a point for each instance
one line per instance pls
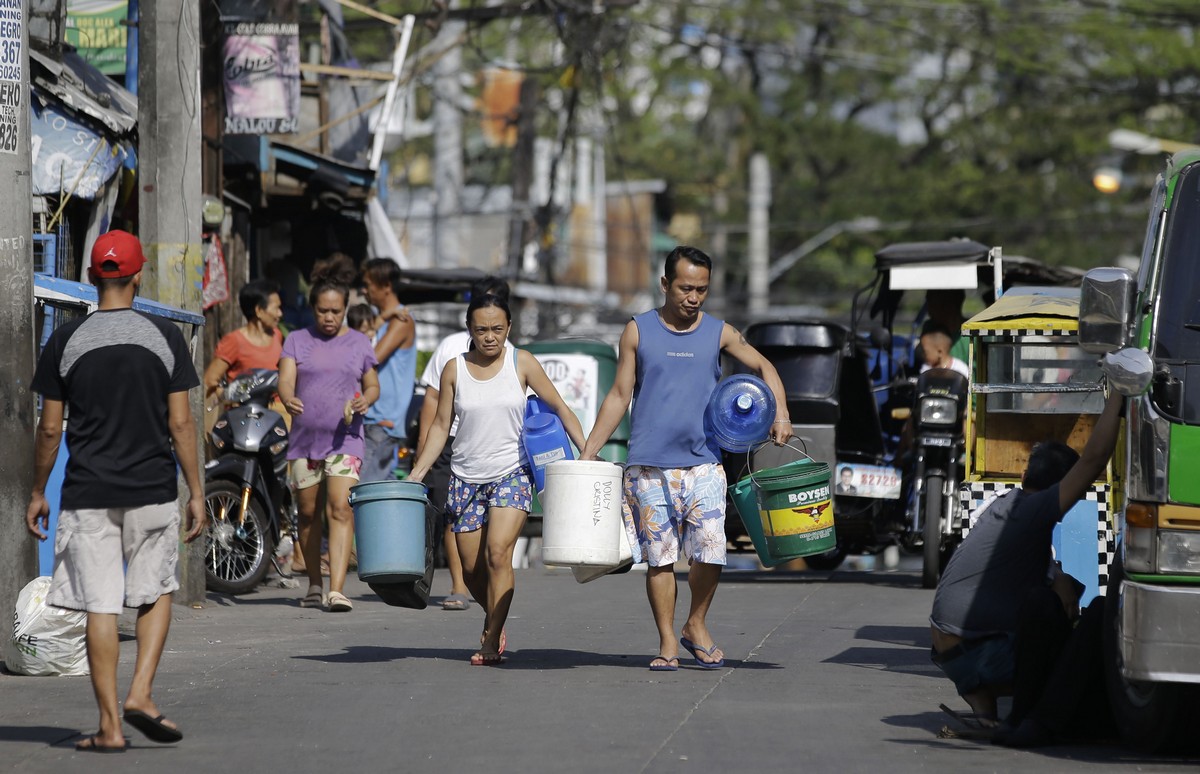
(251, 513)
(939, 410)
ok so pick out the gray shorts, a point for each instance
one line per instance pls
(379, 457)
(91, 545)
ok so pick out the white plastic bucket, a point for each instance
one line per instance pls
(624, 562)
(581, 507)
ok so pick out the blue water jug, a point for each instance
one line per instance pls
(739, 412)
(545, 439)
(535, 405)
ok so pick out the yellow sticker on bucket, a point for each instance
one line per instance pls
(798, 521)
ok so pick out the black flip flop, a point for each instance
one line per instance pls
(154, 728)
(96, 747)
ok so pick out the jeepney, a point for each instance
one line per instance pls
(1030, 381)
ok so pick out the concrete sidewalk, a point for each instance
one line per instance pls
(824, 674)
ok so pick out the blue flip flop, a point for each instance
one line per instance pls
(696, 650)
(671, 665)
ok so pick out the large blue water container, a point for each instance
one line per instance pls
(545, 440)
(739, 412)
(389, 530)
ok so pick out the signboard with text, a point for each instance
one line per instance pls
(876, 481)
(262, 77)
(12, 24)
(577, 379)
(97, 29)
(65, 156)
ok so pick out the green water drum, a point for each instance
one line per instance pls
(795, 506)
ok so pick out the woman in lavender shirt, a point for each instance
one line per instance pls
(327, 381)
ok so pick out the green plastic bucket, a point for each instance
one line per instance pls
(795, 509)
(745, 502)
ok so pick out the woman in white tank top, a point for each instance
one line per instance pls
(491, 489)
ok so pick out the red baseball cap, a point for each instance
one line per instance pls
(116, 254)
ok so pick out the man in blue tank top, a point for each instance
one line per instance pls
(668, 364)
(386, 427)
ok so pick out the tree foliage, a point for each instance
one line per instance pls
(941, 118)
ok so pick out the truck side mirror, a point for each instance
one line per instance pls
(1106, 301)
(1129, 371)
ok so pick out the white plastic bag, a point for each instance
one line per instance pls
(45, 640)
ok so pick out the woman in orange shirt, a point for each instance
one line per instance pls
(256, 344)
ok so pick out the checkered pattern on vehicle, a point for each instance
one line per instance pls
(1014, 332)
(973, 495)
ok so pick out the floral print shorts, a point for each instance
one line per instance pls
(467, 504)
(307, 472)
(664, 507)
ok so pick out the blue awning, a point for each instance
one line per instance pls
(82, 296)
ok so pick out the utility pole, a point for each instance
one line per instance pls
(447, 146)
(522, 174)
(760, 203)
(598, 249)
(18, 549)
(169, 201)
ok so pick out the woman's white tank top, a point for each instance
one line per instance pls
(491, 415)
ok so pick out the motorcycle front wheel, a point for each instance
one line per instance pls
(237, 551)
(931, 568)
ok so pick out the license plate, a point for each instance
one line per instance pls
(880, 482)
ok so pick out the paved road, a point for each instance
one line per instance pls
(825, 673)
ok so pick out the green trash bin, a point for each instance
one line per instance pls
(583, 371)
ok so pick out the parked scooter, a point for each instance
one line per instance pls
(251, 515)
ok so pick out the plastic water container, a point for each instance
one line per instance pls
(587, 574)
(739, 412)
(581, 522)
(389, 530)
(545, 440)
(414, 594)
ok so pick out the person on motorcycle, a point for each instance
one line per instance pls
(999, 618)
(935, 343)
(669, 363)
(944, 307)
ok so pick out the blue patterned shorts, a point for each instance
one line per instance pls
(667, 507)
(467, 504)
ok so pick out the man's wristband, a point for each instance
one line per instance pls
(782, 421)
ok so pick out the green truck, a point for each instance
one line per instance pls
(1152, 631)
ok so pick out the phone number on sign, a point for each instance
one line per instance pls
(9, 137)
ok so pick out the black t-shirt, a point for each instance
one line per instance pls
(114, 370)
(1006, 553)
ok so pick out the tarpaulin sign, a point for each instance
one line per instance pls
(12, 22)
(65, 155)
(97, 29)
(262, 77)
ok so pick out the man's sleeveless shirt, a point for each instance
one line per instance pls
(676, 374)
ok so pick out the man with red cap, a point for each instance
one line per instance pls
(123, 377)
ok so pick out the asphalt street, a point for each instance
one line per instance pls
(825, 672)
